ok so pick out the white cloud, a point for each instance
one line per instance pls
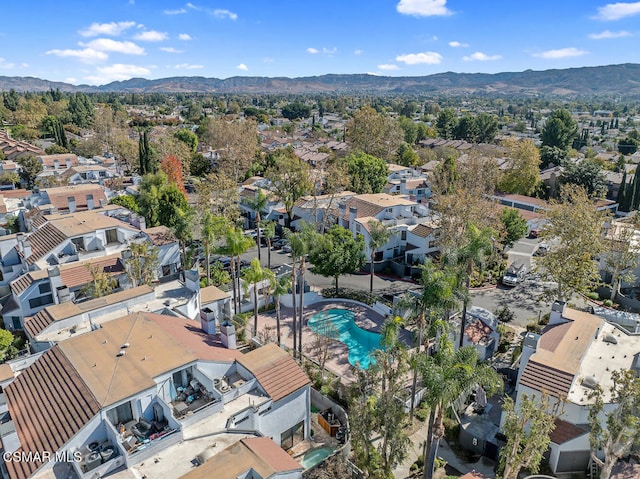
(70, 80)
(481, 57)
(430, 58)
(188, 66)
(388, 66)
(560, 53)
(151, 36)
(222, 13)
(108, 45)
(329, 51)
(358, 52)
(313, 51)
(112, 29)
(184, 36)
(179, 11)
(242, 67)
(609, 34)
(6, 66)
(192, 6)
(86, 55)
(423, 8)
(116, 72)
(456, 44)
(170, 50)
(616, 11)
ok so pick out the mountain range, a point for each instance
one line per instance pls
(621, 80)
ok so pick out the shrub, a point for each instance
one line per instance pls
(504, 314)
(422, 414)
(593, 295)
(608, 303)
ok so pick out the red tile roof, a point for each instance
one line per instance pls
(275, 370)
(271, 453)
(44, 240)
(49, 403)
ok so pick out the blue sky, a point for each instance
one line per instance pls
(96, 42)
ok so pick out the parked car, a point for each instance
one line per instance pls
(514, 274)
(534, 233)
(286, 248)
(542, 249)
(278, 244)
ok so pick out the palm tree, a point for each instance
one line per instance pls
(236, 244)
(447, 375)
(258, 204)
(437, 297)
(254, 274)
(269, 230)
(183, 231)
(209, 228)
(379, 235)
(280, 287)
(299, 250)
(473, 253)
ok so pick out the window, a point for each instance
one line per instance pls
(120, 414)
(389, 210)
(41, 301)
(78, 243)
(432, 243)
(403, 235)
(420, 192)
(44, 287)
(292, 436)
(112, 235)
(358, 228)
(15, 321)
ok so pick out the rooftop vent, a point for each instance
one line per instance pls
(121, 353)
(124, 346)
(589, 382)
(610, 338)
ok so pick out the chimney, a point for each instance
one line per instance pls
(63, 293)
(228, 334)
(90, 203)
(55, 280)
(68, 162)
(71, 201)
(103, 202)
(142, 223)
(26, 248)
(56, 164)
(403, 185)
(208, 320)
(352, 214)
(557, 311)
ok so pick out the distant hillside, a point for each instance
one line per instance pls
(603, 80)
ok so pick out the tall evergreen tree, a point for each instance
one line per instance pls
(622, 197)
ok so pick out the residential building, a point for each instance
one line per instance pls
(314, 209)
(575, 353)
(152, 386)
(16, 149)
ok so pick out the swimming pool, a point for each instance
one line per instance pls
(361, 343)
(312, 458)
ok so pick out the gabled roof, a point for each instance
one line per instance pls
(161, 235)
(423, 230)
(372, 204)
(261, 454)
(541, 377)
(566, 431)
(276, 371)
(49, 403)
(44, 240)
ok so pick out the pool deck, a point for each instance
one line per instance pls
(338, 362)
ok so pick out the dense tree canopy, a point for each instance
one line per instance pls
(373, 133)
(368, 173)
(559, 130)
(336, 253)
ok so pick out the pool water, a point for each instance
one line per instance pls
(339, 324)
(312, 458)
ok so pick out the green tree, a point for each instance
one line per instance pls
(142, 266)
(254, 274)
(574, 228)
(621, 256)
(628, 146)
(160, 201)
(446, 376)
(472, 254)
(379, 235)
(552, 155)
(559, 130)
(486, 127)
(514, 225)
(410, 130)
(289, 178)
(236, 244)
(528, 432)
(9, 178)
(146, 155)
(373, 133)
(522, 174)
(281, 286)
(336, 253)
(587, 174)
(615, 429)
(258, 204)
(6, 341)
(269, 231)
(183, 231)
(446, 123)
(406, 155)
(188, 137)
(127, 201)
(101, 283)
(368, 173)
(30, 168)
(296, 111)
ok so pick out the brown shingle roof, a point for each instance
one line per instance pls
(544, 378)
(275, 370)
(58, 196)
(212, 293)
(44, 240)
(566, 431)
(423, 230)
(160, 235)
(49, 403)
